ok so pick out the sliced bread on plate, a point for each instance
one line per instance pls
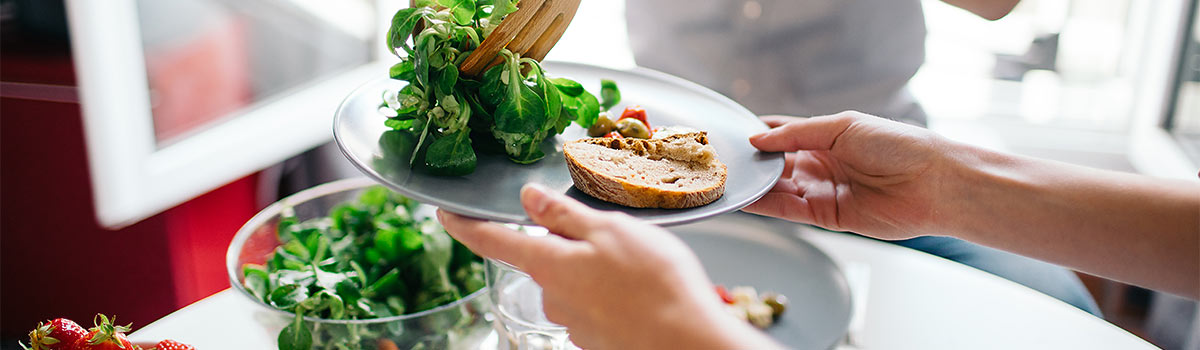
(676, 171)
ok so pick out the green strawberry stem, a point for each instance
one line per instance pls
(106, 330)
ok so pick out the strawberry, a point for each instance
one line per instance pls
(172, 345)
(104, 336)
(58, 334)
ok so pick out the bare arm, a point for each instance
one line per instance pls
(884, 179)
(1133, 228)
(989, 9)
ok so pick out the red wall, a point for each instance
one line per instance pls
(55, 261)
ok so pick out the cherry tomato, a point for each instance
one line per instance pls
(725, 297)
(635, 112)
(614, 134)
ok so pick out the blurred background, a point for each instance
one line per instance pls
(138, 135)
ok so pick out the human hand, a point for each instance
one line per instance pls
(613, 281)
(855, 172)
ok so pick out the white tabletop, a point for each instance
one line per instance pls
(911, 300)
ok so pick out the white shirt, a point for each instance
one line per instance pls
(797, 57)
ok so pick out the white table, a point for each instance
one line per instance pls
(913, 301)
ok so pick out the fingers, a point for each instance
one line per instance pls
(559, 214)
(782, 205)
(816, 133)
(775, 121)
(498, 242)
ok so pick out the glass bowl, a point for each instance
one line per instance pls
(462, 324)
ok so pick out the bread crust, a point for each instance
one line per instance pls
(609, 188)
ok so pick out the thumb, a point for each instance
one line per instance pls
(560, 214)
(809, 134)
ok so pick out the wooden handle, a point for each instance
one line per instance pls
(530, 31)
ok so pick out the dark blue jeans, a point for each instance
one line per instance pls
(1053, 280)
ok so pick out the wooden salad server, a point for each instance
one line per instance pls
(530, 31)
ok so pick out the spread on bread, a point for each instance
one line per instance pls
(671, 167)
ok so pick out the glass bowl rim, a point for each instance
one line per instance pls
(273, 210)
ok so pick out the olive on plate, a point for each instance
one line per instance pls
(631, 127)
(603, 126)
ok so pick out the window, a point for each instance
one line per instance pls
(1184, 116)
(182, 96)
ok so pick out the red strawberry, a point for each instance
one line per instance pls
(59, 334)
(104, 336)
(172, 345)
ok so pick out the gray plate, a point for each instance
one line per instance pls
(741, 249)
(492, 191)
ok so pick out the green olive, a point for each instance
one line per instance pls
(776, 301)
(602, 127)
(630, 127)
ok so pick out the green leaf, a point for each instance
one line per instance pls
(255, 280)
(349, 218)
(448, 77)
(328, 280)
(500, 9)
(589, 110)
(384, 284)
(405, 70)
(403, 23)
(296, 335)
(524, 113)
(398, 125)
(518, 145)
(375, 199)
(332, 304)
(493, 90)
(424, 49)
(288, 296)
(287, 219)
(553, 101)
(398, 146)
(568, 87)
(609, 94)
(451, 155)
(298, 249)
(463, 11)
(394, 243)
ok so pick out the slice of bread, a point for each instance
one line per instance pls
(677, 171)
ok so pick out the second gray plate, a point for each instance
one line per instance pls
(492, 192)
(740, 249)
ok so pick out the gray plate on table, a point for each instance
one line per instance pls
(740, 249)
(493, 191)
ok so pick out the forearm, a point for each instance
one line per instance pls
(1141, 230)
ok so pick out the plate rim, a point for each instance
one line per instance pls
(688, 216)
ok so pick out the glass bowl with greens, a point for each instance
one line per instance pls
(352, 265)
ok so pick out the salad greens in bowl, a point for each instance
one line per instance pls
(352, 265)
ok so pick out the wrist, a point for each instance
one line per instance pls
(973, 180)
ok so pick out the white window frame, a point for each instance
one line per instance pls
(132, 177)
(1153, 150)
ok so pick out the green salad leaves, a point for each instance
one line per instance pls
(512, 107)
(368, 258)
